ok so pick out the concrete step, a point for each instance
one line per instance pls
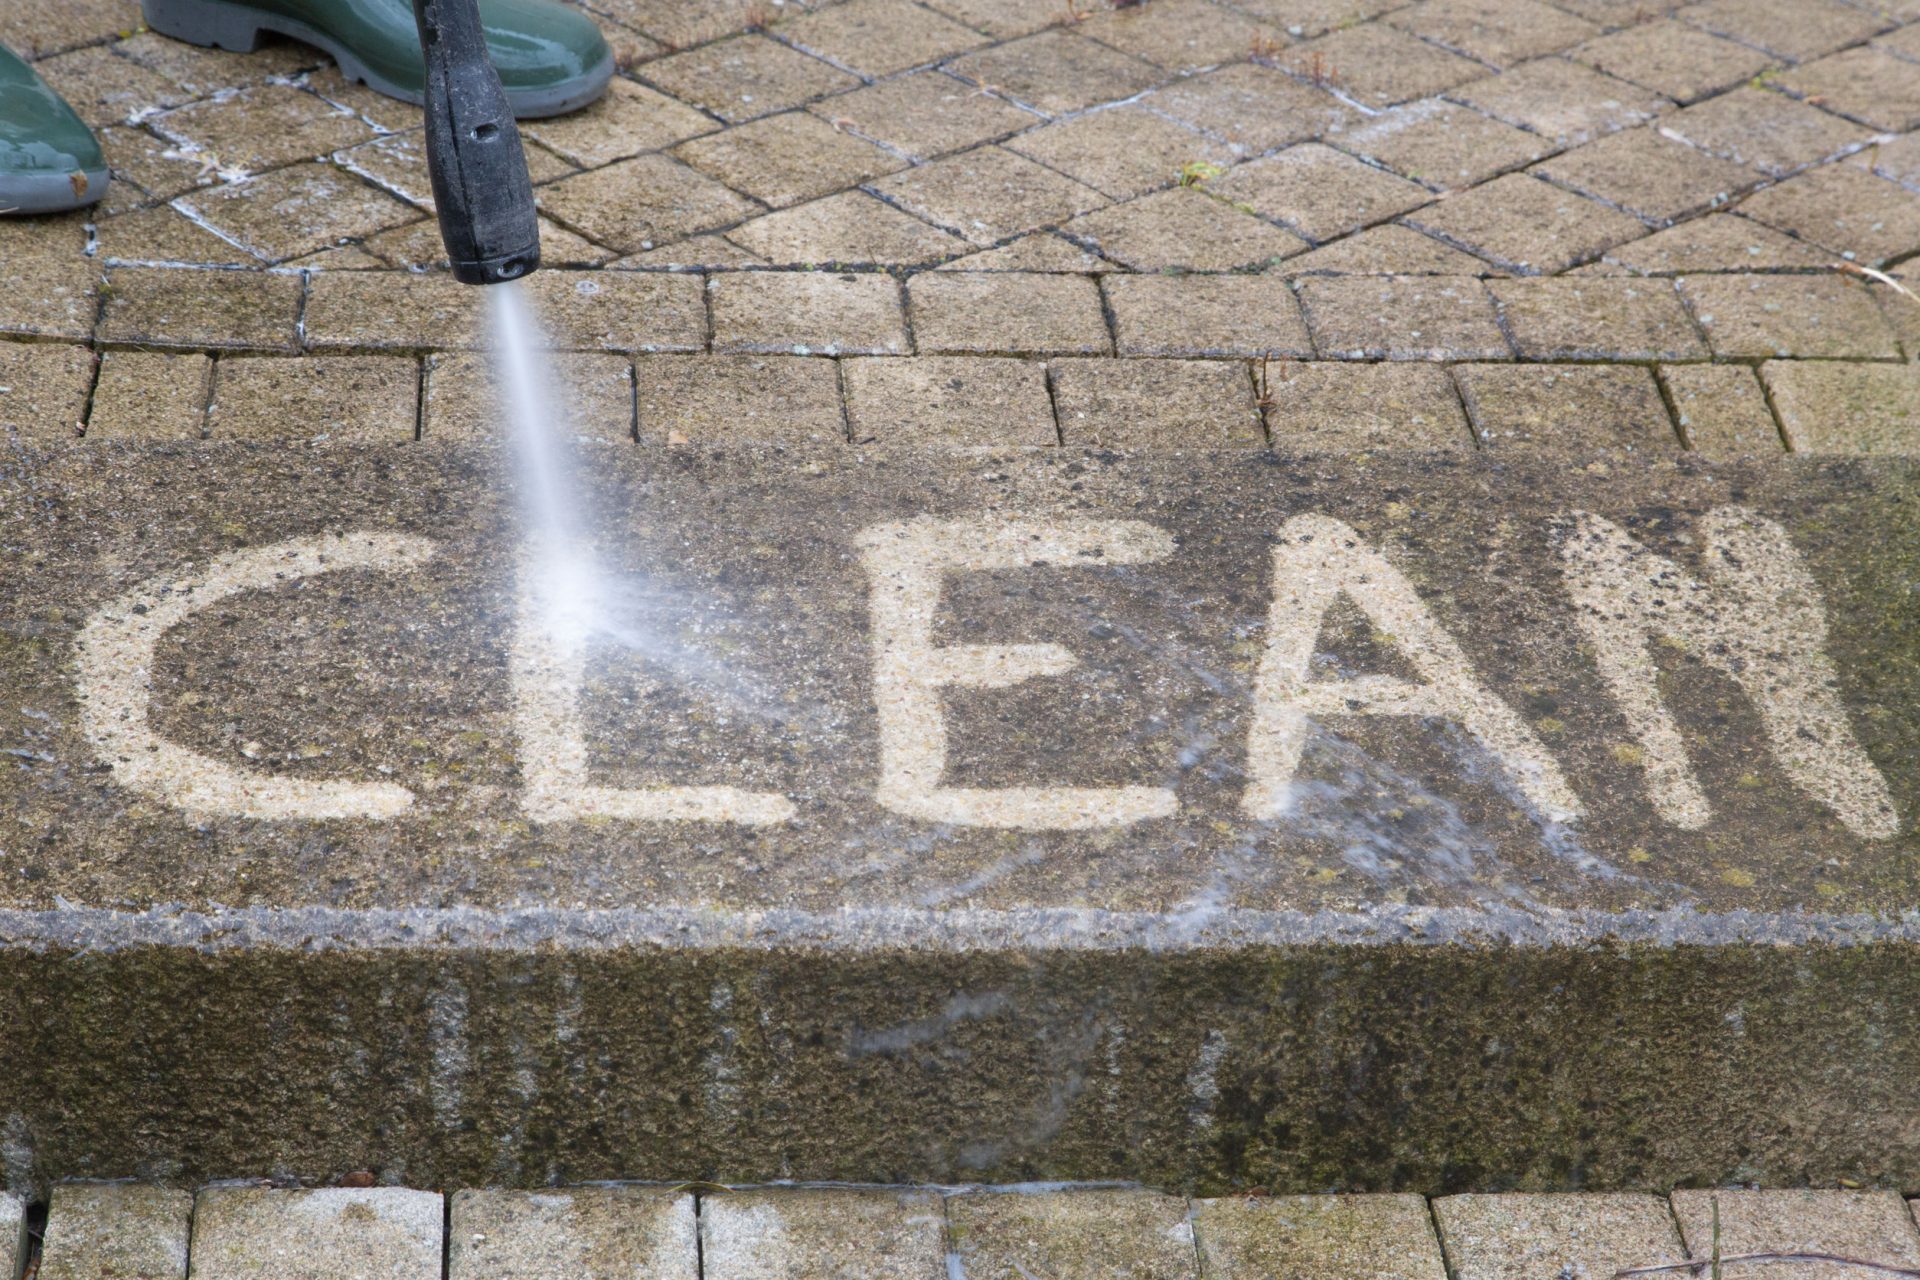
(609, 1232)
(1422, 823)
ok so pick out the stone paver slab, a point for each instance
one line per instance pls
(1183, 229)
(1597, 319)
(1859, 216)
(162, 236)
(1378, 65)
(1391, 250)
(1084, 1235)
(37, 28)
(262, 127)
(1718, 242)
(784, 159)
(988, 194)
(808, 313)
(1006, 313)
(878, 37)
(572, 1233)
(1181, 35)
(1056, 72)
(590, 395)
(43, 389)
(53, 284)
(1766, 131)
(150, 395)
(116, 1231)
(1199, 315)
(630, 119)
(746, 77)
(851, 229)
(161, 307)
(926, 114)
(1806, 29)
(1583, 1237)
(1870, 1225)
(104, 88)
(1564, 101)
(643, 202)
(1123, 151)
(1402, 318)
(1443, 145)
(1254, 108)
(1839, 407)
(1721, 410)
(1869, 85)
(1671, 58)
(934, 401)
(1649, 175)
(1354, 1237)
(1155, 404)
(1497, 32)
(335, 1233)
(821, 1235)
(1361, 407)
(1318, 192)
(320, 399)
(1523, 224)
(1756, 316)
(1569, 408)
(385, 310)
(297, 210)
(739, 399)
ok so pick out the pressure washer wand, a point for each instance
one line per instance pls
(481, 190)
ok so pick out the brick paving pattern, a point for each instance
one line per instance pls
(705, 1232)
(1132, 225)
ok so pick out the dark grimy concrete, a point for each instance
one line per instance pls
(1424, 822)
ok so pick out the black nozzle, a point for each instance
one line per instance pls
(481, 190)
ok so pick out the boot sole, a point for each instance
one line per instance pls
(238, 28)
(25, 193)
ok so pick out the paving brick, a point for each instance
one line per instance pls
(104, 88)
(1804, 29)
(419, 246)
(297, 210)
(116, 1231)
(1720, 409)
(1717, 242)
(1182, 230)
(746, 77)
(1251, 107)
(1402, 318)
(878, 37)
(642, 203)
(163, 236)
(14, 1242)
(965, 401)
(262, 127)
(1123, 151)
(1649, 175)
(619, 310)
(590, 394)
(1041, 251)
(145, 169)
(1902, 311)
(1076, 1235)
(1056, 71)
(807, 313)
(36, 28)
(849, 229)
(695, 253)
(318, 399)
(1348, 1237)
(1596, 319)
(1577, 408)
(1523, 224)
(679, 24)
(988, 194)
(1202, 315)
(51, 283)
(784, 159)
(1565, 101)
(1620, 13)
(160, 307)
(1768, 131)
(630, 119)
(43, 393)
(382, 1233)
(1305, 19)
(1001, 19)
(1826, 406)
(397, 162)
(784, 400)
(1317, 191)
(376, 109)
(1345, 406)
(1904, 41)
(985, 313)
(1524, 1237)
(205, 72)
(1443, 145)
(1384, 251)
(1378, 65)
(1753, 317)
(1671, 58)
(1859, 215)
(811, 1235)
(1181, 35)
(1850, 1224)
(572, 1233)
(150, 395)
(1897, 160)
(1869, 85)
(1497, 32)
(384, 310)
(1155, 404)
(926, 114)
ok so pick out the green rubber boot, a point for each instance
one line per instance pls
(551, 57)
(49, 161)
